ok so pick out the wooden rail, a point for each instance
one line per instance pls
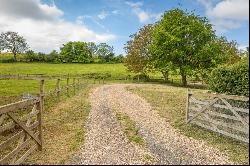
(25, 131)
(219, 115)
(22, 135)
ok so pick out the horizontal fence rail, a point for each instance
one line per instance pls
(22, 130)
(21, 124)
(222, 115)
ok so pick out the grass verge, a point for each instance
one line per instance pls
(63, 129)
(129, 128)
(170, 102)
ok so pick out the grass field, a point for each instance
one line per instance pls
(170, 102)
(63, 129)
(116, 70)
(13, 87)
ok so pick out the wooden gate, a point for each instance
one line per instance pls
(223, 115)
(20, 130)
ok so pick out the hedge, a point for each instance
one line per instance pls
(230, 79)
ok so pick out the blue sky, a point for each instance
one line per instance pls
(112, 21)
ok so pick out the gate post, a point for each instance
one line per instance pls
(39, 115)
(67, 86)
(58, 88)
(74, 85)
(189, 94)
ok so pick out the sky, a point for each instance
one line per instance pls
(47, 24)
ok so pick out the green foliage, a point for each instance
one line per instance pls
(76, 52)
(138, 54)
(13, 42)
(105, 53)
(179, 38)
(231, 79)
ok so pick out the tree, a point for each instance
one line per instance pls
(31, 56)
(138, 54)
(92, 47)
(12, 41)
(105, 52)
(52, 56)
(227, 50)
(180, 37)
(76, 52)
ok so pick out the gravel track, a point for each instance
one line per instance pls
(105, 142)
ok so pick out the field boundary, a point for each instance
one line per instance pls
(17, 127)
(221, 114)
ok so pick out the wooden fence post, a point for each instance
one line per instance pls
(58, 89)
(39, 115)
(78, 82)
(74, 85)
(67, 86)
(187, 105)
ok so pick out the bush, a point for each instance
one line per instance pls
(230, 79)
(142, 77)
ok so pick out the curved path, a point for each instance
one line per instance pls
(105, 142)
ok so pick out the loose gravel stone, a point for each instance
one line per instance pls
(105, 143)
(162, 139)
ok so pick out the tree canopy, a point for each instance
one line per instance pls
(12, 41)
(76, 52)
(183, 40)
(138, 54)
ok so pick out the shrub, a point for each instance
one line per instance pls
(142, 77)
(230, 79)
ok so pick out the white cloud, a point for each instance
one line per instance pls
(226, 14)
(231, 9)
(143, 16)
(43, 26)
(243, 47)
(115, 12)
(102, 15)
(79, 20)
(32, 9)
(134, 4)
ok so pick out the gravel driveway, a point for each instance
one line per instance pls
(105, 142)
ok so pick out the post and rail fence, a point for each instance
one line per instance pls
(21, 122)
(226, 115)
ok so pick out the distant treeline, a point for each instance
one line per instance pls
(71, 52)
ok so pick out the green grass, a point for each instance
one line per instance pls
(116, 70)
(14, 87)
(170, 102)
(129, 128)
(63, 129)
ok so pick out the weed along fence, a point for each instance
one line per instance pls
(21, 124)
(226, 115)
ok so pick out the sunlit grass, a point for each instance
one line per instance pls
(170, 102)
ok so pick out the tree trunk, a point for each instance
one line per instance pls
(183, 77)
(165, 75)
(14, 56)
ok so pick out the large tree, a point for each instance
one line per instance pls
(182, 39)
(92, 47)
(105, 52)
(137, 49)
(76, 52)
(12, 41)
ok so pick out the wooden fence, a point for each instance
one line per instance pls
(21, 125)
(23, 133)
(221, 114)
